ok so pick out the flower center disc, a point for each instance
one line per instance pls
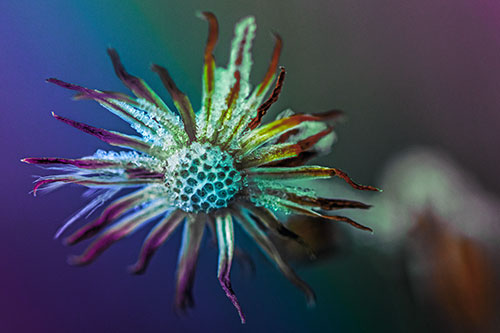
(202, 178)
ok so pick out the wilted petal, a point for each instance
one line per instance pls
(262, 110)
(310, 212)
(305, 172)
(225, 238)
(188, 257)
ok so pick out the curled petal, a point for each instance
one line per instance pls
(265, 244)
(305, 172)
(125, 227)
(225, 238)
(262, 87)
(188, 257)
(310, 212)
(156, 238)
(262, 110)
(325, 203)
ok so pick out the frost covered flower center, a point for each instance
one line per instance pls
(202, 178)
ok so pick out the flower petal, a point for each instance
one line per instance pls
(188, 257)
(262, 110)
(310, 212)
(110, 137)
(114, 211)
(225, 238)
(102, 98)
(181, 101)
(123, 228)
(156, 238)
(138, 86)
(267, 218)
(236, 78)
(325, 203)
(305, 172)
(209, 68)
(256, 138)
(82, 163)
(265, 244)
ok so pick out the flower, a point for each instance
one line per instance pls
(201, 169)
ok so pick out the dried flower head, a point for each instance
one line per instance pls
(208, 168)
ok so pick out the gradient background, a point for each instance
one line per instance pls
(406, 72)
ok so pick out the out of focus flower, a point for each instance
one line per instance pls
(444, 228)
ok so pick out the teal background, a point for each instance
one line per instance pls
(406, 72)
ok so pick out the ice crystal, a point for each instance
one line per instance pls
(207, 168)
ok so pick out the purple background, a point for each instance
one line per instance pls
(409, 72)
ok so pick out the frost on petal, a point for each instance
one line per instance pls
(247, 112)
(203, 117)
(225, 238)
(232, 85)
(113, 138)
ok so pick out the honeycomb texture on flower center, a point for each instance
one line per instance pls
(202, 178)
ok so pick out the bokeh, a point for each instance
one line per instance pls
(406, 73)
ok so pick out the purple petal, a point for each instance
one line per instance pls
(225, 238)
(101, 97)
(188, 257)
(79, 163)
(96, 181)
(156, 238)
(181, 101)
(137, 85)
(110, 214)
(113, 138)
(118, 231)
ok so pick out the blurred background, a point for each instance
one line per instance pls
(419, 81)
